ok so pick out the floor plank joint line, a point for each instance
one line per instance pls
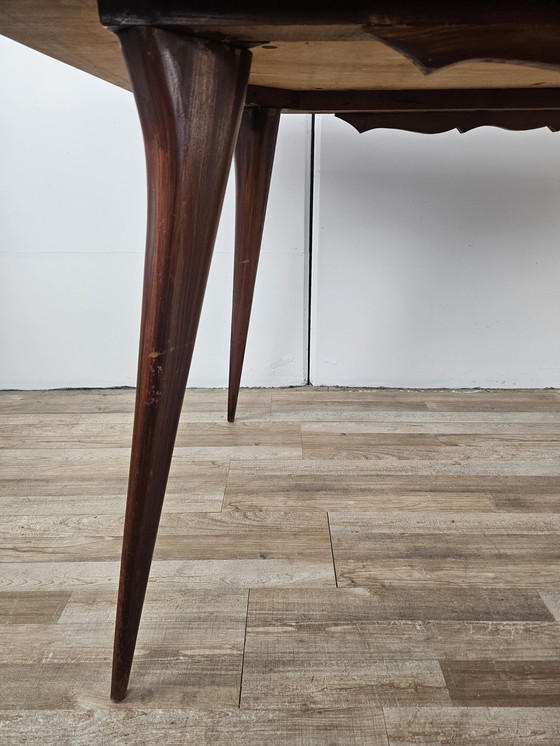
(332, 550)
(385, 726)
(225, 487)
(244, 647)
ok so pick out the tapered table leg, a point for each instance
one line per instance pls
(190, 94)
(254, 157)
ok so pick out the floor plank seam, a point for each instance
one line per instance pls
(225, 487)
(332, 550)
(244, 647)
(385, 726)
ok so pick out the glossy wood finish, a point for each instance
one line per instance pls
(433, 122)
(190, 95)
(254, 158)
(407, 100)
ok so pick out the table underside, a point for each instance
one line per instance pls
(337, 57)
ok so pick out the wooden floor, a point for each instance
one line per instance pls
(337, 568)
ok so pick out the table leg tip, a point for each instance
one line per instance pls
(119, 689)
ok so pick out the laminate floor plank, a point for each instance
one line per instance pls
(527, 502)
(212, 573)
(84, 462)
(365, 555)
(32, 607)
(398, 640)
(422, 445)
(28, 526)
(332, 398)
(200, 405)
(40, 426)
(527, 440)
(419, 447)
(314, 403)
(161, 640)
(205, 682)
(295, 627)
(337, 681)
(336, 485)
(188, 536)
(473, 726)
(499, 683)
(358, 524)
(95, 604)
(226, 523)
(104, 501)
(66, 401)
(55, 431)
(436, 426)
(495, 401)
(552, 601)
(447, 548)
(185, 727)
(318, 609)
(63, 487)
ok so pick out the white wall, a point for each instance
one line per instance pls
(436, 258)
(72, 222)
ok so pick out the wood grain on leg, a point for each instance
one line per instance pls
(190, 94)
(254, 157)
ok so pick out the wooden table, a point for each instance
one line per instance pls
(211, 77)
